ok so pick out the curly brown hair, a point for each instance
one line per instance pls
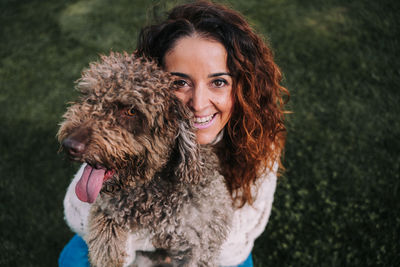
(256, 131)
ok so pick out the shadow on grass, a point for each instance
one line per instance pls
(34, 178)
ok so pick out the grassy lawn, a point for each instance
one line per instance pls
(337, 202)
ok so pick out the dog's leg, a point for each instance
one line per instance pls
(106, 241)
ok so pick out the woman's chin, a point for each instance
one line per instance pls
(206, 136)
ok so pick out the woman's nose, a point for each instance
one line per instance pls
(199, 98)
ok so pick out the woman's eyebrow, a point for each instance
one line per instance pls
(219, 74)
(183, 75)
(180, 74)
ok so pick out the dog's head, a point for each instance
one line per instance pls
(127, 123)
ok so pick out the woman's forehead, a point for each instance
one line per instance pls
(197, 53)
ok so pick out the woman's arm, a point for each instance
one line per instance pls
(250, 221)
(76, 212)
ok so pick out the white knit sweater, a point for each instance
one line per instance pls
(248, 222)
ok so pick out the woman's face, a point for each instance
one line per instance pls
(204, 83)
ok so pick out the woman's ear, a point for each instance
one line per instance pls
(189, 169)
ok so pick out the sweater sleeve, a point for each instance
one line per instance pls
(249, 221)
(76, 212)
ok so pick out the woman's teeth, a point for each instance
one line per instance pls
(203, 120)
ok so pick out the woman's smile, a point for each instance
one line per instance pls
(204, 122)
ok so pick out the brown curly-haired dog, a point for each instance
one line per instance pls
(145, 172)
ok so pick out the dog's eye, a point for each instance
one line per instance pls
(90, 101)
(131, 112)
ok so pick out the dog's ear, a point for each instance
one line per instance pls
(189, 167)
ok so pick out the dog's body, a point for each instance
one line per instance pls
(145, 172)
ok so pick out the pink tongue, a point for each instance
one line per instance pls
(89, 186)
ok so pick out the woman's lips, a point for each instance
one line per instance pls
(204, 122)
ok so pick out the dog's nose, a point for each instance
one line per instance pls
(73, 147)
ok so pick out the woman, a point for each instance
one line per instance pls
(226, 75)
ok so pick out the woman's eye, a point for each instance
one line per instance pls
(130, 112)
(180, 83)
(220, 82)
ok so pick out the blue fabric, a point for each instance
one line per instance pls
(248, 262)
(75, 254)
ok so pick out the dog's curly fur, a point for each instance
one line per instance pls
(129, 120)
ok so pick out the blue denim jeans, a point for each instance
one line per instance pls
(75, 254)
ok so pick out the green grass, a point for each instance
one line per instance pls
(337, 203)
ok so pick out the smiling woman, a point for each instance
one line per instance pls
(226, 75)
(206, 39)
